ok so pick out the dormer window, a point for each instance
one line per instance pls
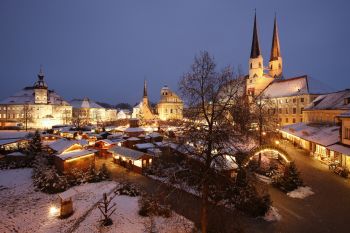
(346, 100)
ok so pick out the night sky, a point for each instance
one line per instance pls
(105, 49)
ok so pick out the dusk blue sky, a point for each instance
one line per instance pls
(105, 49)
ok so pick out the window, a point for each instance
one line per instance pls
(286, 120)
(171, 111)
(347, 133)
(294, 100)
(280, 120)
(271, 67)
(259, 64)
(279, 65)
(280, 110)
(293, 120)
(286, 110)
(301, 110)
(251, 65)
(302, 100)
(294, 110)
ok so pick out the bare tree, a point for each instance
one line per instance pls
(27, 112)
(210, 96)
(264, 117)
(106, 209)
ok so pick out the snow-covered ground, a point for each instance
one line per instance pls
(12, 134)
(301, 192)
(24, 210)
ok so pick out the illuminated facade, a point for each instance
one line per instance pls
(89, 112)
(170, 105)
(143, 109)
(289, 96)
(35, 107)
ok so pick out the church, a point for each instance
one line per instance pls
(170, 106)
(288, 95)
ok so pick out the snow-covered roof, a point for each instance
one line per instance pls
(75, 154)
(16, 153)
(66, 195)
(333, 100)
(126, 152)
(26, 96)
(133, 139)
(340, 148)
(84, 103)
(134, 130)
(62, 144)
(9, 141)
(319, 134)
(107, 141)
(154, 135)
(142, 146)
(295, 86)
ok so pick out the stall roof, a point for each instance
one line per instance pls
(142, 146)
(75, 154)
(9, 141)
(62, 144)
(126, 152)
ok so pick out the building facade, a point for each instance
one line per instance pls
(288, 96)
(170, 106)
(35, 107)
(325, 109)
(143, 110)
(87, 111)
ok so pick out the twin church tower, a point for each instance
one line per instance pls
(258, 80)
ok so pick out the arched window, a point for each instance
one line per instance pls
(259, 64)
(251, 65)
(271, 67)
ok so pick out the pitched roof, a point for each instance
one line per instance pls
(333, 100)
(61, 145)
(255, 50)
(126, 152)
(27, 96)
(75, 154)
(84, 103)
(295, 86)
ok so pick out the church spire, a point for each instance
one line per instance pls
(275, 63)
(144, 88)
(255, 52)
(275, 49)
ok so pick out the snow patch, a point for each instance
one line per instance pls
(272, 215)
(301, 192)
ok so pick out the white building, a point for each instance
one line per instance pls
(35, 107)
(89, 112)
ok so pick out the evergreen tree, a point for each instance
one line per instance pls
(290, 179)
(35, 145)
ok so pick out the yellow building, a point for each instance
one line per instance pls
(35, 107)
(326, 108)
(288, 95)
(170, 105)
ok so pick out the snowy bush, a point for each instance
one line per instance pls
(150, 206)
(128, 189)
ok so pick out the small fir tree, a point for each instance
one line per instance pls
(35, 145)
(290, 179)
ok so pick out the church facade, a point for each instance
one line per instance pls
(170, 106)
(289, 96)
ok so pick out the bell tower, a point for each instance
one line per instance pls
(256, 62)
(40, 89)
(275, 63)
